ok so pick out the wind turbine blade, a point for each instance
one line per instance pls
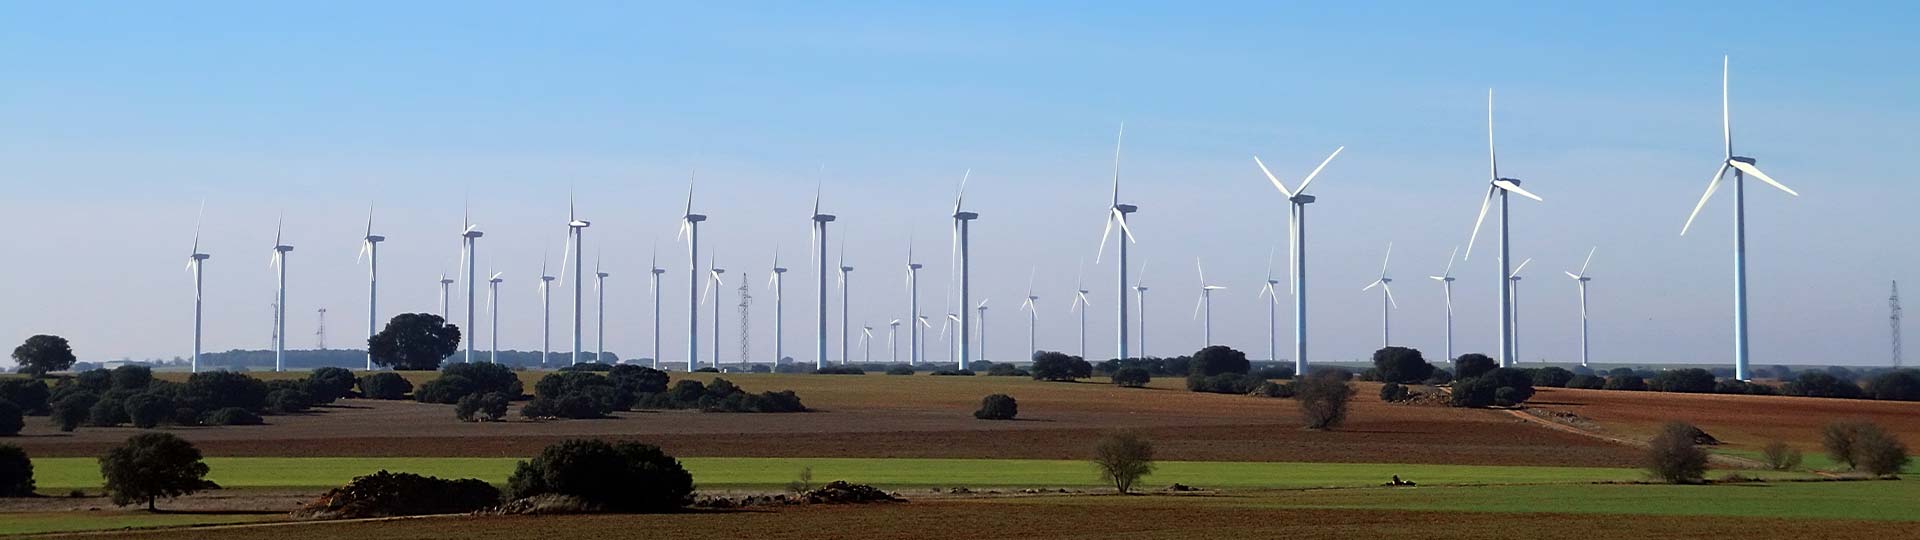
(960, 197)
(1726, 112)
(1370, 286)
(1493, 164)
(1755, 171)
(1387, 259)
(1197, 304)
(1121, 218)
(1202, 269)
(1316, 170)
(364, 245)
(1389, 291)
(1103, 240)
(1450, 258)
(566, 257)
(1583, 266)
(197, 221)
(1117, 139)
(1523, 266)
(1510, 186)
(1573, 275)
(1711, 186)
(1271, 178)
(1484, 203)
(1437, 278)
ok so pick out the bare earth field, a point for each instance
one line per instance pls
(1747, 422)
(917, 416)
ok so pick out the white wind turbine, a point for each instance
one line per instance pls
(1081, 304)
(546, 310)
(1205, 303)
(713, 278)
(866, 344)
(845, 271)
(195, 263)
(1446, 285)
(1742, 167)
(599, 312)
(923, 326)
(1513, 291)
(445, 300)
(656, 271)
(1582, 279)
(982, 308)
(953, 346)
(1271, 294)
(818, 254)
(1117, 213)
(959, 255)
(1498, 185)
(893, 349)
(493, 324)
(776, 282)
(1033, 316)
(577, 247)
(279, 262)
(370, 249)
(690, 230)
(916, 336)
(469, 236)
(1386, 299)
(1140, 295)
(1298, 199)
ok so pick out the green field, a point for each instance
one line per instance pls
(59, 474)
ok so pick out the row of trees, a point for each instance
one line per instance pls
(130, 394)
(1674, 455)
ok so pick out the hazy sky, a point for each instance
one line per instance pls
(117, 119)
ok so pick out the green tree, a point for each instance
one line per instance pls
(1401, 365)
(153, 465)
(1219, 359)
(414, 341)
(1122, 459)
(624, 476)
(1472, 365)
(43, 353)
(1673, 456)
(1059, 366)
(16, 472)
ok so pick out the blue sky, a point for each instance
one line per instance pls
(116, 119)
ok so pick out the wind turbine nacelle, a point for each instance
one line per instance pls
(846, 269)
(1126, 208)
(474, 234)
(546, 278)
(695, 218)
(201, 256)
(376, 238)
(966, 215)
(659, 271)
(823, 218)
(1140, 288)
(1515, 181)
(283, 249)
(1745, 159)
(915, 266)
(579, 224)
(446, 282)
(1303, 198)
(602, 274)
(776, 270)
(495, 281)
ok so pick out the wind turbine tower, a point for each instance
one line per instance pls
(713, 279)
(195, 263)
(577, 243)
(1117, 213)
(469, 236)
(493, 315)
(1387, 304)
(1080, 305)
(1497, 185)
(1140, 295)
(370, 248)
(776, 281)
(1271, 294)
(916, 349)
(279, 261)
(1582, 279)
(690, 229)
(599, 312)
(1298, 199)
(1446, 286)
(961, 220)
(656, 271)
(845, 273)
(546, 311)
(1033, 317)
(446, 284)
(982, 308)
(819, 255)
(1513, 284)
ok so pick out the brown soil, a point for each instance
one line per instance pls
(1743, 422)
(919, 416)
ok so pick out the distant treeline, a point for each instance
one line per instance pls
(357, 359)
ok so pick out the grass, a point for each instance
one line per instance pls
(46, 522)
(59, 474)
(1813, 461)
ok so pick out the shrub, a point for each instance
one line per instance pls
(1224, 383)
(1688, 380)
(153, 465)
(97, 380)
(32, 395)
(1821, 384)
(488, 377)
(1673, 457)
(1628, 382)
(1058, 366)
(148, 409)
(130, 377)
(1472, 365)
(1123, 458)
(448, 389)
(626, 476)
(1007, 370)
(1393, 392)
(329, 384)
(1276, 372)
(1781, 457)
(233, 416)
(1218, 360)
(384, 494)
(1439, 377)
(1132, 377)
(900, 369)
(1896, 385)
(632, 379)
(588, 366)
(1401, 365)
(385, 385)
(12, 419)
(1323, 400)
(109, 411)
(952, 373)
(1589, 382)
(1864, 445)
(491, 406)
(1552, 377)
(73, 409)
(209, 390)
(1274, 390)
(842, 370)
(997, 407)
(1499, 386)
(16, 472)
(288, 401)
(1336, 373)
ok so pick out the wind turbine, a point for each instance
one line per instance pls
(819, 255)
(1386, 299)
(493, 289)
(195, 261)
(776, 281)
(1081, 304)
(1272, 296)
(1140, 295)
(866, 344)
(1499, 186)
(1205, 301)
(1298, 199)
(656, 271)
(1513, 285)
(923, 326)
(546, 311)
(445, 283)
(713, 278)
(845, 271)
(279, 261)
(916, 338)
(982, 308)
(577, 246)
(1117, 213)
(469, 236)
(953, 350)
(1582, 279)
(961, 219)
(1742, 166)
(690, 229)
(370, 248)
(893, 349)
(1446, 285)
(600, 312)
(1033, 316)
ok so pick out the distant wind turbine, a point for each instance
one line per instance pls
(1269, 293)
(600, 312)
(866, 344)
(893, 350)
(1117, 213)
(493, 325)
(577, 245)
(469, 236)
(446, 283)
(776, 282)
(819, 255)
(982, 308)
(1081, 304)
(279, 262)
(690, 229)
(1205, 303)
(845, 273)
(916, 336)
(1298, 199)
(1582, 279)
(656, 271)
(195, 263)
(1513, 291)
(1140, 294)
(370, 249)
(1033, 316)
(713, 279)
(546, 311)
(960, 254)
(1386, 299)
(1499, 186)
(1446, 285)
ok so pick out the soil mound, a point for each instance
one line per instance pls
(385, 494)
(841, 492)
(547, 504)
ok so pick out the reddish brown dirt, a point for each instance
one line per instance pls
(1747, 422)
(920, 416)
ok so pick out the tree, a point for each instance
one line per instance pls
(130, 377)
(1471, 365)
(997, 407)
(1218, 359)
(1059, 366)
(491, 406)
(1499, 386)
(16, 472)
(1323, 400)
(1688, 380)
(1401, 365)
(43, 353)
(328, 384)
(1123, 458)
(385, 385)
(414, 341)
(1628, 382)
(1781, 457)
(1864, 445)
(1896, 385)
(448, 389)
(12, 419)
(628, 476)
(634, 379)
(1552, 377)
(487, 377)
(71, 410)
(149, 409)
(30, 394)
(210, 390)
(1132, 377)
(1821, 384)
(1673, 456)
(153, 465)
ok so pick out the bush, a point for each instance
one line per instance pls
(1781, 457)
(900, 369)
(1007, 370)
(153, 465)
(1821, 384)
(488, 377)
(12, 419)
(491, 406)
(448, 389)
(1589, 382)
(997, 407)
(1863, 445)
(952, 373)
(32, 395)
(1688, 380)
(842, 370)
(1369, 375)
(130, 377)
(626, 476)
(385, 494)
(385, 385)
(109, 411)
(329, 384)
(631, 379)
(1275, 372)
(73, 409)
(1500, 386)
(16, 472)
(1224, 383)
(1122, 459)
(1628, 382)
(209, 390)
(1401, 365)
(97, 380)
(1552, 377)
(1673, 457)
(232, 416)
(1896, 385)
(1323, 400)
(1472, 365)
(1393, 392)
(1274, 390)
(1132, 377)
(1219, 360)
(1439, 377)
(1057, 366)
(147, 410)
(588, 366)
(288, 401)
